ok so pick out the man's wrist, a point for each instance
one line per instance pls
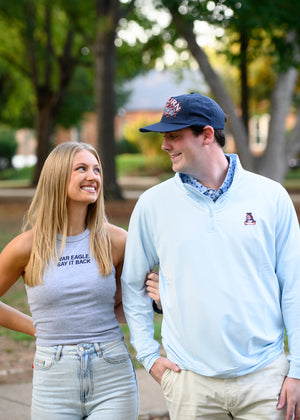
(156, 308)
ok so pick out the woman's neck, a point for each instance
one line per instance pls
(76, 220)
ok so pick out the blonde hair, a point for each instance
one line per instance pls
(47, 215)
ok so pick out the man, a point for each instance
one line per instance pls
(228, 247)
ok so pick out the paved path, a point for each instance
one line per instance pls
(15, 399)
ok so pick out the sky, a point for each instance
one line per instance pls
(152, 90)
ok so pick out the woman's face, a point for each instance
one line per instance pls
(85, 180)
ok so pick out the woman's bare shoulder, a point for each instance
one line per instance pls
(118, 241)
(21, 244)
(117, 234)
(13, 260)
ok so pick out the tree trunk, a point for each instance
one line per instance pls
(293, 145)
(105, 69)
(44, 128)
(274, 162)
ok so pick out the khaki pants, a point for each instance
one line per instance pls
(254, 396)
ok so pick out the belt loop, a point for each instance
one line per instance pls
(58, 352)
(98, 349)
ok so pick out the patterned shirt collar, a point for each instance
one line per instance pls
(210, 192)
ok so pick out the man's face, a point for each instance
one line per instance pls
(184, 149)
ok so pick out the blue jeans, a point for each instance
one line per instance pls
(94, 381)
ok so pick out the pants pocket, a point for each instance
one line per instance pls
(168, 381)
(43, 362)
(116, 353)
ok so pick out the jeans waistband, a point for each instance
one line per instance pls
(77, 349)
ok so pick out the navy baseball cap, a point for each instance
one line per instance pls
(186, 110)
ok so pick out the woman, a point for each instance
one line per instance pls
(71, 260)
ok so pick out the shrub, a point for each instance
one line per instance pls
(8, 147)
(148, 143)
(125, 146)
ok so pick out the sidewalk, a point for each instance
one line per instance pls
(15, 399)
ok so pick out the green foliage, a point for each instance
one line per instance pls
(17, 174)
(148, 143)
(18, 103)
(79, 98)
(286, 344)
(125, 146)
(24, 339)
(263, 35)
(8, 147)
(271, 27)
(153, 161)
(130, 164)
(40, 45)
(141, 165)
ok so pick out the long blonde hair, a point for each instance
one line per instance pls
(47, 215)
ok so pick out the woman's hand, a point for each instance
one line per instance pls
(152, 287)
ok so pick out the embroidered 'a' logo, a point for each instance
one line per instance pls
(249, 219)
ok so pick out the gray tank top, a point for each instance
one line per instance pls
(75, 303)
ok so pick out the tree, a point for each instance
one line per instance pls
(107, 18)
(50, 45)
(99, 26)
(44, 48)
(277, 21)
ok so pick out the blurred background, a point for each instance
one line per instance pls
(97, 70)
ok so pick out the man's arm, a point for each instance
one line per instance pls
(140, 259)
(288, 274)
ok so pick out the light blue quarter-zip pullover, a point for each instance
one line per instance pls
(229, 275)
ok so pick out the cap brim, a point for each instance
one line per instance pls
(163, 127)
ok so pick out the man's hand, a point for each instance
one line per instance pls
(159, 366)
(290, 396)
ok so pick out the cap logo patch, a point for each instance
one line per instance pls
(172, 108)
(249, 219)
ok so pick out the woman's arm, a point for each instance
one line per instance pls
(152, 287)
(15, 320)
(118, 240)
(13, 260)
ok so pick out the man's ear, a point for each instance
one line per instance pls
(208, 134)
